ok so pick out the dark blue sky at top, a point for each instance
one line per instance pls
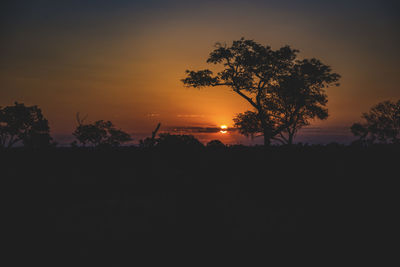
(349, 16)
(341, 18)
(27, 11)
(358, 21)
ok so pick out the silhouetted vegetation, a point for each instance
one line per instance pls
(381, 124)
(170, 141)
(25, 125)
(284, 92)
(178, 141)
(150, 141)
(99, 134)
(215, 144)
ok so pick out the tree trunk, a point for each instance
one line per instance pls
(290, 138)
(267, 138)
(266, 129)
(267, 141)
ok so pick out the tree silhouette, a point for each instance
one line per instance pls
(248, 123)
(25, 124)
(297, 98)
(99, 133)
(381, 124)
(284, 92)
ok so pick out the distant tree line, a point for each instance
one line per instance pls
(26, 126)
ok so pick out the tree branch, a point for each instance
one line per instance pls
(246, 97)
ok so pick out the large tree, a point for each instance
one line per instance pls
(296, 99)
(25, 125)
(381, 124)
(283, 91)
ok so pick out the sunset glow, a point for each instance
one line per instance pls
(177, 128)
(123, 60)
(224, 129)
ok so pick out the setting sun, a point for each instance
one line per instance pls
(224, 128)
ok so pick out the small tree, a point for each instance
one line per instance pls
(24, 124)
(381, 124)
(273, 82)
(99, 133)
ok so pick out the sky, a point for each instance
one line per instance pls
(123, 60)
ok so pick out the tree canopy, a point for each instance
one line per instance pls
(25, 125)
(284, 92)
(381, 124)
(99, 133)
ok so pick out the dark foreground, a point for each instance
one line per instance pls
(91, 208)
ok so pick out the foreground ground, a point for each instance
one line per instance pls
(100, 204)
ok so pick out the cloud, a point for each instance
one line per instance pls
(196, 129)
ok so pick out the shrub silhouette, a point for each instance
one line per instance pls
(167, 140)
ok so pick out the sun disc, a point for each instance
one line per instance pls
(223, 128)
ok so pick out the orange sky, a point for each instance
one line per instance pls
(125, 64)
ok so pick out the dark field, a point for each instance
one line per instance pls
(101, 206)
